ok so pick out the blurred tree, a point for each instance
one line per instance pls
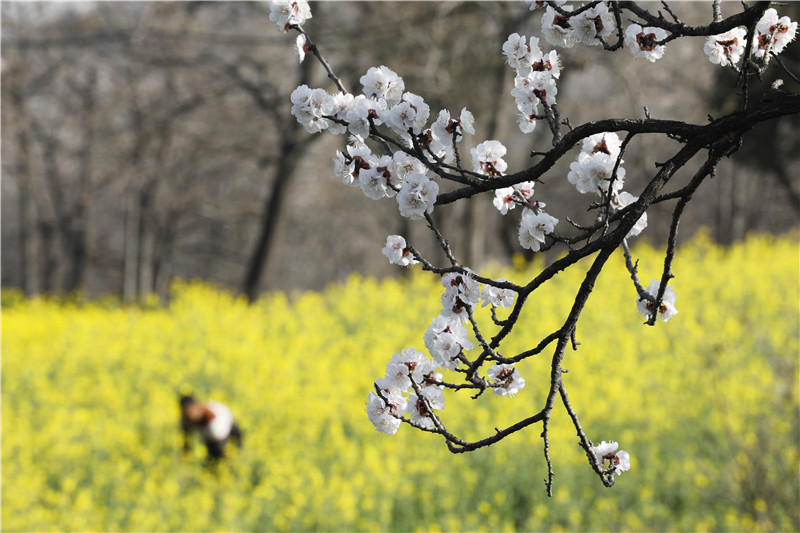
(144, 141)
(741, 201)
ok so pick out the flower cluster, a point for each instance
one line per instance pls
(445, 339)
(408, 371)
(619, 461)
(412, 384)
(587, 27)
(593, 171)
(667, 308)
(773, 33)
(594, 25)
(461, 293)
(533, 227)
(771, 36)
(418, 195)
(535, 80)
(534, 223)
(497, 296)
(385, 102)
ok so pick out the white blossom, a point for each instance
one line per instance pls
(557, 29)
(533, 227)
(603, 449)
(545, 89)
(403, 164)
(464, 285)
(410, 114)
(418, 196)
(310, 107)
(519, 55)
(607, 451)
(726, 48)
(624, 199)
(380, 414)
(418, 409)
(666, 309)
(461, 294)
(375, 181)
(360, 111)
(605, 142)
(549, 65)
(301, 45)
(642, 42)
(340, 105)
(445, 338)
(498, 297)
(525, 98)
(398, 252)
(466, 121)
(593, 173)
(507, 378)
(487, 158)
(396, 379)
(287, 13)
(622, 462)
(415, 363)
(348, 167)
(343, 168)
(393, 395)
(526, 122)
(443, 152)
(444, 127)
(506, 198)
(383, 83)
(593, 23)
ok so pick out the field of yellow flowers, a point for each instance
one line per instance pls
(706, 404)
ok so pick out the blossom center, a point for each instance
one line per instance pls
(646, 42)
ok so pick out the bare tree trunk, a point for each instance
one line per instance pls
(146, 248)
(49, 256)
(257, 264)
(131, 251)
(291, 148)
(28, 250)
(164, 254)
(76, 253)
(29, 256)
(78, 223)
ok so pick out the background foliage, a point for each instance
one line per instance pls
(707, 405)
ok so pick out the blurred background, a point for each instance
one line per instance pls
(144, 142)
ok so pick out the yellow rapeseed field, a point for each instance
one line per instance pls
(706, 404)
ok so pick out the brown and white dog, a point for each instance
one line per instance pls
(213, 421)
